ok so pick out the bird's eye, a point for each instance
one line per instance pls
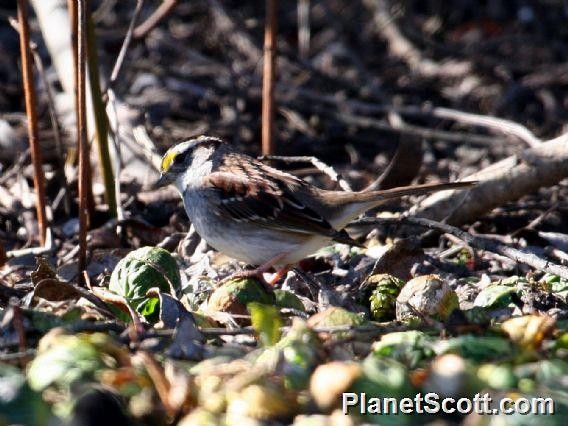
(180, 158)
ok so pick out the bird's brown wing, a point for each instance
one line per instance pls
(268, 202)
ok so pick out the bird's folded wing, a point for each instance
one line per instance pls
(269, 204)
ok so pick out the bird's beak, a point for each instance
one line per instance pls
(165, 179)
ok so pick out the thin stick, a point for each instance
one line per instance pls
(73, 17)
(317, 163)
(270, 31)
(500, 125)
(304, 28)
(125, 44)
(408, 129)
(154, 19)
(82, 135)
(29, 91)
(56, 127)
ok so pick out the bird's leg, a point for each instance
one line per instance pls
(258, 272)
(279, 274)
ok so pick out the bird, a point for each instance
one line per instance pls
(261, 215)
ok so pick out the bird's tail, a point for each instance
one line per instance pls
(355, 203)
(427, 188)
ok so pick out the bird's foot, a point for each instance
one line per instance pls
(258, 273)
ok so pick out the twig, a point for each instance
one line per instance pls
(48, 247)
(74, 20)
(494, 123)
(31, 102)
(500, 124)
(113, 129)
(56, 129)
(125, 44)
(149, 150)
(408, 129)
(270, 31)
(82, 136)
(481, 243)
(149, 24)
(317, 163)
(304, 28)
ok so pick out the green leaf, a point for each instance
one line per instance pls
(492, 295)
(335, 316)
(287, 299)
(408, 347)
(478, 348)
(383, 297)
(266, 321)
(141, 270)
(297, 353)
(557, 285)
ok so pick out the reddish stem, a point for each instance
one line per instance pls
(84, 169)
(30, 95)
(270, 31)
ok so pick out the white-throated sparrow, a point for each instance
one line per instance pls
(262, 215)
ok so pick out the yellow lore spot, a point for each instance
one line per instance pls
(168, 160)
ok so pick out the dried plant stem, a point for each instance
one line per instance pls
(317, 163)
(29, 91)
(122, 54)
(304, 28)
(101, 119)
(55, 126)
(84, 170)
(270, 31)
(73, 16)
(149, 24)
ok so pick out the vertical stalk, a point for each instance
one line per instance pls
(74, 18)
(82, 136)
(270, 31)
(101, 120)
(304, 28)
(29, 91)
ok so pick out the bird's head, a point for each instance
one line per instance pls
(181, 157)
